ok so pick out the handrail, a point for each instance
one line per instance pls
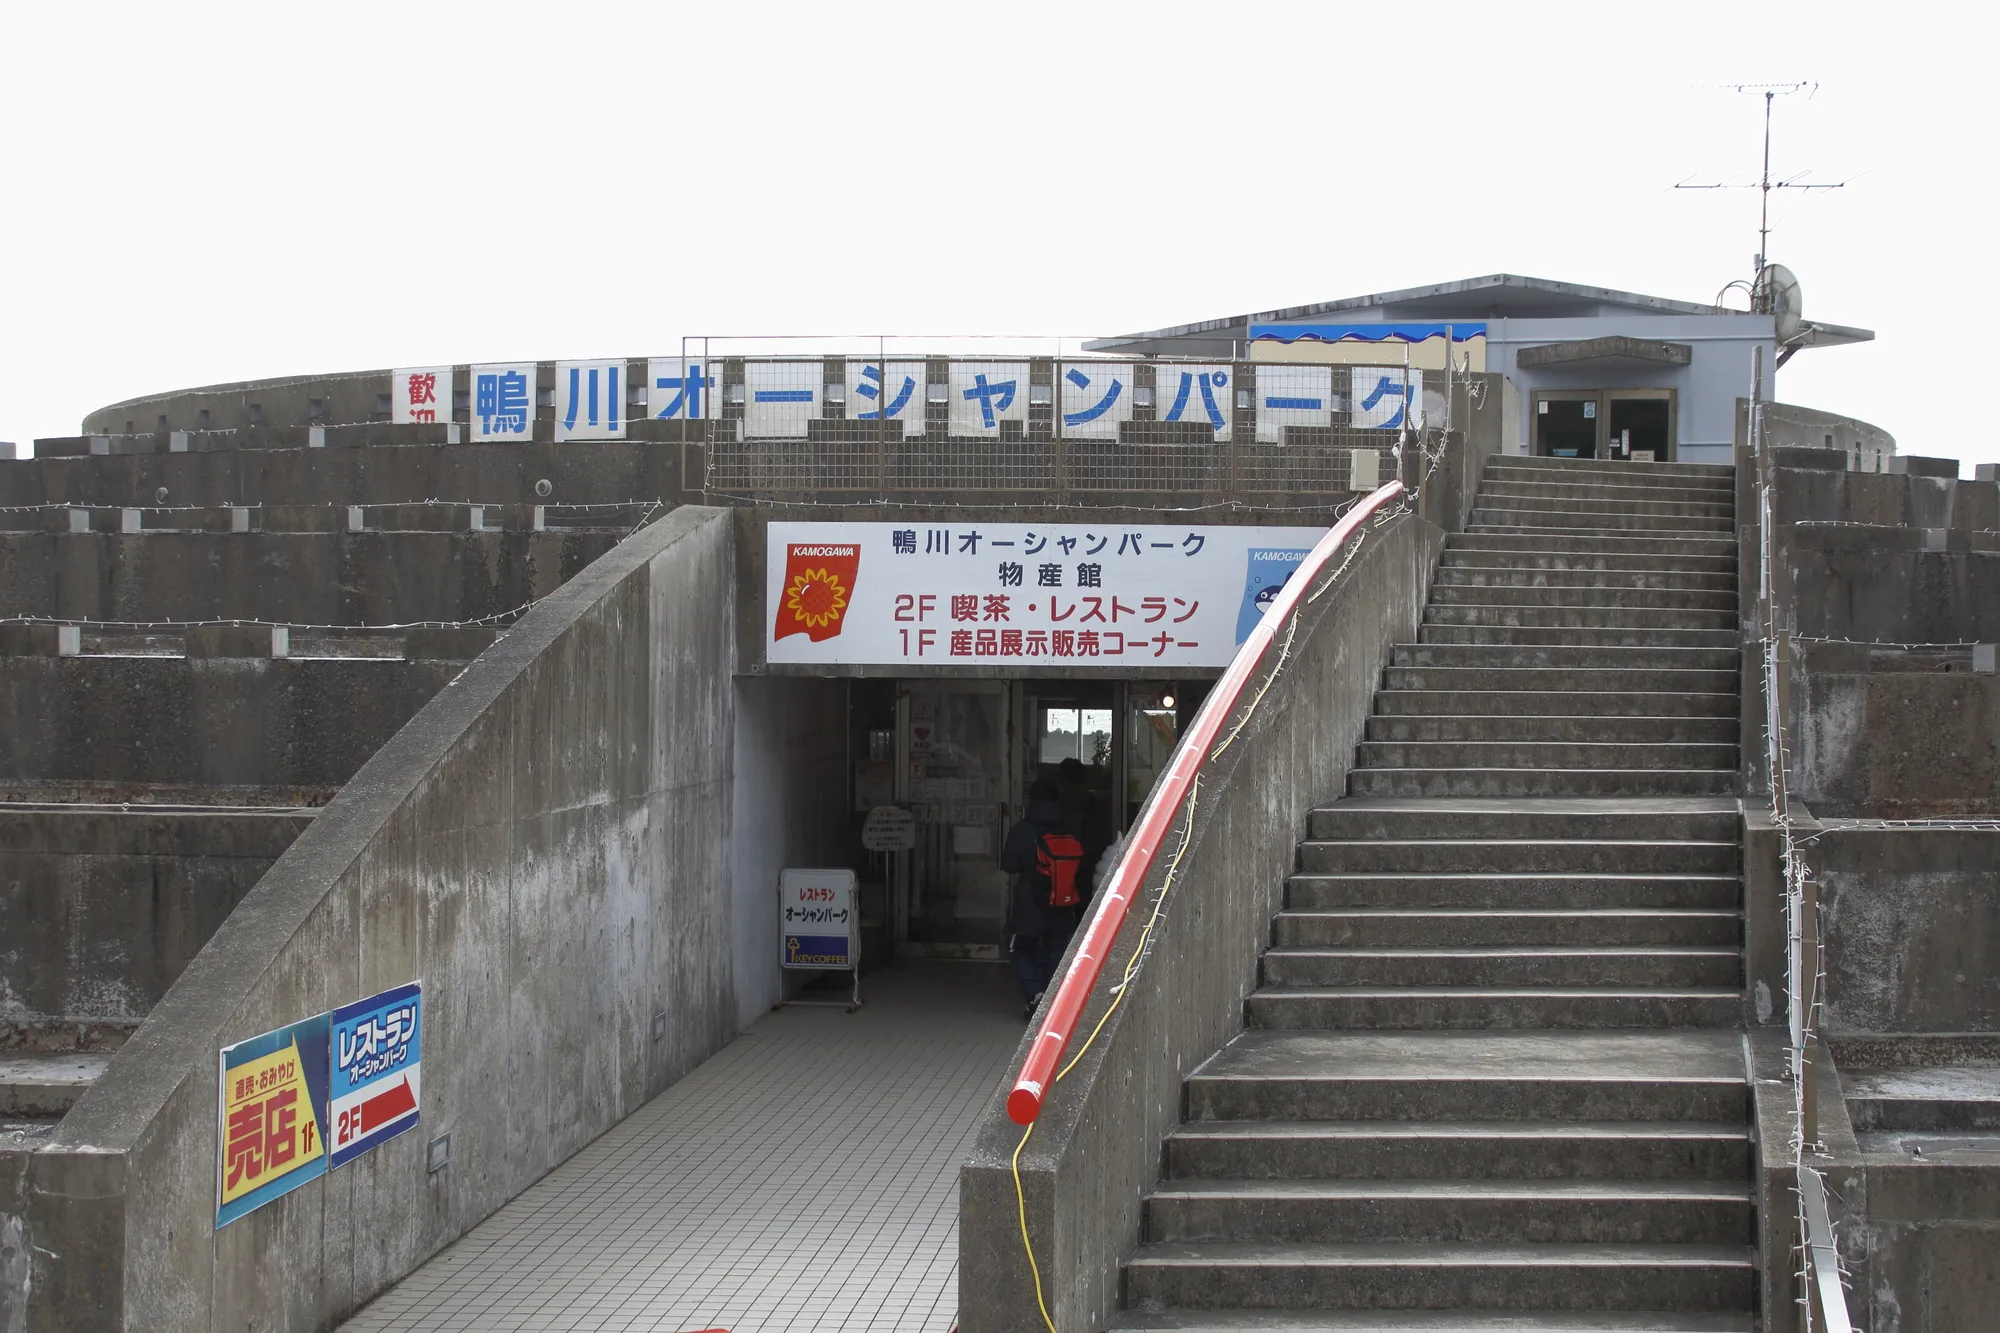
(1059, 1021)
(1819, 1258)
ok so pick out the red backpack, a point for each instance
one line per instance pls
(1059, 860)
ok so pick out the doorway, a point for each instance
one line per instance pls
(953, 776)
(1624, 425)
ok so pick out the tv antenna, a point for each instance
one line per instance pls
(1762, 291)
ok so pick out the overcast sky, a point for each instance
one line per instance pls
(199, 193)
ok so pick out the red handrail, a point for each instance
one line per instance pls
(1024, 1103)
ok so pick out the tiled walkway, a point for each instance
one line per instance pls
(806, 1178)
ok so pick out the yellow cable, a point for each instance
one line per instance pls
(1124, 984)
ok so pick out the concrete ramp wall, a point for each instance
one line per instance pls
(546, 846)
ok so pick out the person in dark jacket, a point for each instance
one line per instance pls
(1040, 932)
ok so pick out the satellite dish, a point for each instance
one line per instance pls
(1777, 295)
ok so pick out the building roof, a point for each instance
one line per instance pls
(1494, 296)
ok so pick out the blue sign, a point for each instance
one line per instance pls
(376, 1050)
(1265, 576)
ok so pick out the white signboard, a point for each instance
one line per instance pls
(590, 400)
(420, 393)
(819, 919)
(680, 389)
(889, 828)
(1196, 393)
(1292, 396)
(894, 392)
(780, 397)
(986, 393)
(503, 401)
(1072, 595)
(1383, 396)
(1096, 396)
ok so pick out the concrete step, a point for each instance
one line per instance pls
(1612, 509)
(1708, 821)
(1441, 853)
(1581, 617)
(1521, 727)
(1512, 487)
(1557, 520)
(1615, 545)
(1542, 755)
(1557, 703)
(1472, 1150)
(1643, 680)
(1534, 1212)
(1572, 656)
(1428, 1321)
(1316, 892)
(1449, 1076)
(1516, 576)
(1638, 474)
(1544, 536)
(1516, 782)
(1604, 635)
(1704, 599)
(1459, 1008)
(36, 1084)
(1460, 557)
(1432, 1276)
(1494, 928)
(1538, 966)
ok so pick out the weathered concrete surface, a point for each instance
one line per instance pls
(106, 905)
(578, 472)
(1816, 495)
(1867, 448)
(318, 578)
(1887, 584)
(297, 723)
(1096, 1148)
(1912, 927)
(1895, 734)
(546, 847)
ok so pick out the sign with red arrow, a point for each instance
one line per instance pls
(375, 1048)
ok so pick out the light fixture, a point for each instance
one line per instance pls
(1167, 699)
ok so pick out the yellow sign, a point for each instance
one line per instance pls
(269, 1130)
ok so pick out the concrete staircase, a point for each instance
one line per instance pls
(1491, 1077)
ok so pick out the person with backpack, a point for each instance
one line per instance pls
(1045, 857)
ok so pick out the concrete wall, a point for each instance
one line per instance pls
(546, 847)
(1895, 734)
(1912, 927)
(1096, 1147)
(579, 472)
(301, 724)
(310, 578)
(1868, 448)
(790, 810)
(106, 906)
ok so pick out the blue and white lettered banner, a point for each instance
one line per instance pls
(503, 401)
(590, 400)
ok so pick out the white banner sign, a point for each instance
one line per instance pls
(590, 400)
(1383, 394)
(1138, 597)
(986, 393)
(819, 920)
(420, 393)
(1292, 396)
(894, 392)
(503, 401)
(780, 397)
(1096, 396)
(1196, 393)
(680, 389)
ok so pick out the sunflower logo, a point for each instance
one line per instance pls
(816, 597)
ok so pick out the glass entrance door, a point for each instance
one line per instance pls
(1635, 425)
(952, 774)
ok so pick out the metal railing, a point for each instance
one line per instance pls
(1823, 1301)
(1170, 796)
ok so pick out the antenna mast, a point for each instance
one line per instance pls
(1760, 296)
